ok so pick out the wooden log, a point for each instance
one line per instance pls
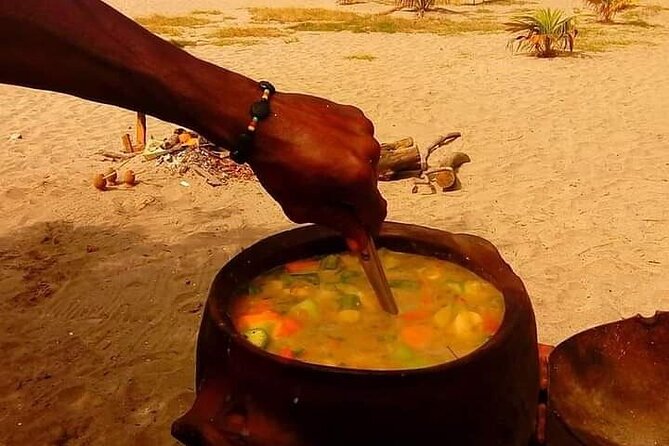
(127, 143)
(404, 143)
(141, 132)
(115, 155)
(445, 178)
(455, 160)
(440, 142)
(394, 161)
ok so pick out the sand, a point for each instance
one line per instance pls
(101, 293)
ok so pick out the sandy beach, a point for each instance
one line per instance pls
(101, 293)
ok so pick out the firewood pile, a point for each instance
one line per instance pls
(403, 159)
(186, 151)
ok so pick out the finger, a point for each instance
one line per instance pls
(343, 220)
(367, 203)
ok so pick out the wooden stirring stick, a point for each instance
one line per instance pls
(371, 263)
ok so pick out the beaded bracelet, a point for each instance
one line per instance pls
(259, 111)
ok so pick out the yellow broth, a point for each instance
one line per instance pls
(323, 311)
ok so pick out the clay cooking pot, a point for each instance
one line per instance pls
(246, 396)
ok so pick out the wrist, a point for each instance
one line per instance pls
(216, 101)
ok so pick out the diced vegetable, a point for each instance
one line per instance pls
(329, 276)
(349, 316)
(433, 273)
(308, 278)
(404, 284)
(491, 322)
(348, 276)
(466, 323)
(287, 327)
(456, 287)
(297, 279)
(473, 288)
(257, 337)
(443, 317)
(303, 266)
(416, 315)
(307, 309)
(326, 306)
(403, 353)
(417, 336)
(330, 262)
(301, 289)
(265, 320)
(286, 353)
(349, 301)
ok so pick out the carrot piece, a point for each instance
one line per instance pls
(302, 266)
(256, 319)
(287, 327)
(286, 353)
(417, 336)
(415, 316)
(491, 322)
(426, 294)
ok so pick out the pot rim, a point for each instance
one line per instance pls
(390, 229)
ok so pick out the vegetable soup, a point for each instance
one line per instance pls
(323, 310)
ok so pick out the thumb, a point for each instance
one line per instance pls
(344, 220)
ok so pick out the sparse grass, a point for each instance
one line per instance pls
(247, 31)
(241, 42)
(636, 16)
(207, 12)
(171, 26)
(387, 24)
(295, 15)
(169, 31)
(510, 2)
(653, 9)
(157, 20)
(182, 43)
(361, 56)
(600, 38)
(324, 20)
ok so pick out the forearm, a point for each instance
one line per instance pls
(87, 49)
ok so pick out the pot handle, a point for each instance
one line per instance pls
(203, 424)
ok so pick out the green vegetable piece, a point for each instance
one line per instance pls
(330, 262)
(254, 288)
(349, 302)
(308, 306)
(311, 278)
(347, 276)
(404, 284)
(257, 337)
(403, 354)
(291, 279)
(299, 352)
(456, 287)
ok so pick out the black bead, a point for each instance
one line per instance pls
(260, 110)
(264, 85)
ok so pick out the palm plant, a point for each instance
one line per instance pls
(420, 6)
(543, 33)
(606, 10)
